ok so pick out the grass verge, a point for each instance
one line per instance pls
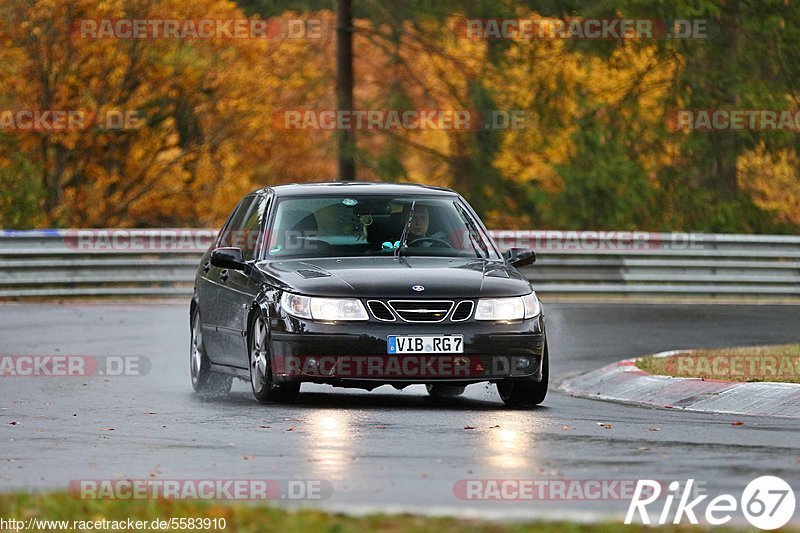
(260, 518)
(777, 363)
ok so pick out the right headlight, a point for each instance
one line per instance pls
(506, 309)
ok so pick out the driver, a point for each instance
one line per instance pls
(420, 226)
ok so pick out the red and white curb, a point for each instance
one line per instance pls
(625, 382)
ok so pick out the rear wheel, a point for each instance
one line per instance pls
(526, 393)
(441, 390)
(264, 387)
(203, 378)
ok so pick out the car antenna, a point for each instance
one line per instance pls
(407, 227)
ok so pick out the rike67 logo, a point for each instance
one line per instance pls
(768, 502)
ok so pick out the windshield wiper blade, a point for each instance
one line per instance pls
(474, 235)
(406, 229)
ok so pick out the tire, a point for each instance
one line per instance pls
(441, 390)
(204, 380)
(264, 388)
(526, 393)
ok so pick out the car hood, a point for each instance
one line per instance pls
(387, 277)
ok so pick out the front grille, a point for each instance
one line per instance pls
(380, 311)
(421, 310)
(462, 311)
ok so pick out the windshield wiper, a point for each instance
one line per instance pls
(406, 229)
(474, 234)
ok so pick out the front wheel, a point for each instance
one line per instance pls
(526, 393)
(264, 387)
(203, 378)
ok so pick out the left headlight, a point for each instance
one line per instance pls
(501, 309)
(329, 309)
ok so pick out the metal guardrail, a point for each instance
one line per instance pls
(150, 263)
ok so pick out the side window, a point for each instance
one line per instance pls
(252, 228)
(230, 234)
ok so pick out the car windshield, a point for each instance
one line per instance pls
(352, 226)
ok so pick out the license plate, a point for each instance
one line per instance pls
(425, 344)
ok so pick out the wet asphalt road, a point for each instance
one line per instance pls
(386, 449)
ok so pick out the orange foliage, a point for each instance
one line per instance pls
(210, 112)
(773, 179)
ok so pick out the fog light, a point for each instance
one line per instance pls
(523, 363)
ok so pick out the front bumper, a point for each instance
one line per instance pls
(357, 352)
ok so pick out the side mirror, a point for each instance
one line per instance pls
(520, 257)
(228, 258)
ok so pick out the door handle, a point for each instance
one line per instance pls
(224, 275)
(206, 266)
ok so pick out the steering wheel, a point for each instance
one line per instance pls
(430, 239)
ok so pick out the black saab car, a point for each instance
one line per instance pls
(362, 285)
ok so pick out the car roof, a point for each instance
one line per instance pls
(355, 188)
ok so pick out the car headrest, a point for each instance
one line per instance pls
(300, 221)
